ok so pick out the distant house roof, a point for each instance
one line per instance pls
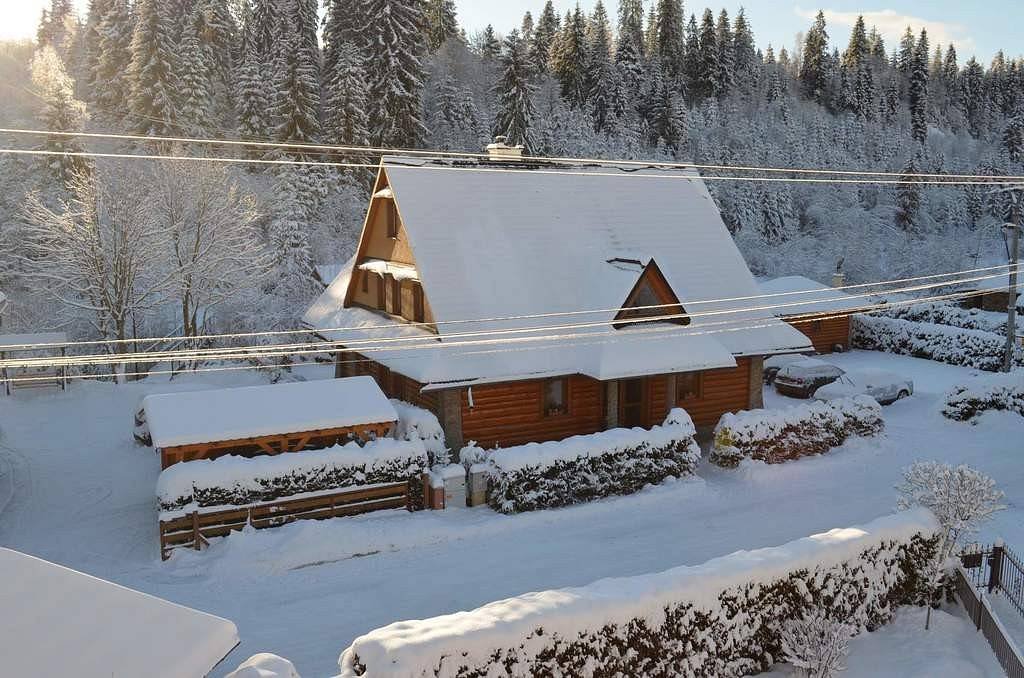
(60, 622)
(529, 242)
(219, 415)
(996, 280)
(797, 295)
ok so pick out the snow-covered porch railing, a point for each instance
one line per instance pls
(721, 618)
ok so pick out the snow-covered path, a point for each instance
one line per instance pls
(83, 496)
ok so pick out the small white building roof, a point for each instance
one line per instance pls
(253, 411)
(508, 240)
(60, 622)
(797, 295)
(997, 280)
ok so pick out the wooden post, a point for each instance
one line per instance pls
(196, 536)
(995, 566)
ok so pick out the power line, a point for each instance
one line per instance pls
(377, 150)
(989, 181)
(421, 343)
(589, 336)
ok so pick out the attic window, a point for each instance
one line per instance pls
(651, 297)
(392, 217)
(556, 397)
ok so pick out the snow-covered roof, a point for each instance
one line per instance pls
(396, 270)
(797, 295)
(522, 242)
(997, 280)
(14, 340)
(60, 622)
(253, 411)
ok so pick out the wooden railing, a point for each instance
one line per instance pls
(194, 529)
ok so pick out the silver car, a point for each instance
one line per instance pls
(885, 387)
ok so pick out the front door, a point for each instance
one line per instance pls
(632, 403)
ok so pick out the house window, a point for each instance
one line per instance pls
(556, 397)
(418, 313)
(392, 216)
(396, 296)
(382, 304)
(689, 386)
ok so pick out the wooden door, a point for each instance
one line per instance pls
(633, 403)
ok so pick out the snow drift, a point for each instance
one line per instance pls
(720, 618)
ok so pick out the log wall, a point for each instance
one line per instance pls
(826, 334)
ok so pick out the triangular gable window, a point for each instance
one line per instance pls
(651, 297)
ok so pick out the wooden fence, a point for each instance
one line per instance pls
(193, 530)
(991, 571)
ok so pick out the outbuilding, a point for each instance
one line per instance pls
(819, 312)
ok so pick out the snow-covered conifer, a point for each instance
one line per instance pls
(814, 66)
(515, 116)
(671, 40)
(153, 83)
(110, 79)
(919, 90)
(60, 111)
(441, 24)
(569, 59)
(544, 35)
(725, 80)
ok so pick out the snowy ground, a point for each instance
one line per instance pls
(78, 491)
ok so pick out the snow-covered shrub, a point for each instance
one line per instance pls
(817, 643)
(265, 665)
(234, 480)
(949, 314)
(587, 467)
(722, 618)
(942, 343)
(1003, 393)
(416, 423)
(775, 436)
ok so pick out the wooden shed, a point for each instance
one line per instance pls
(270, 419)
(820, 312)
(21, 347)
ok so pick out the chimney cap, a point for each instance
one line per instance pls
(500, 150)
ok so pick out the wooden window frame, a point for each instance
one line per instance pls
(396, 297)
(392, 218)
(544, 410)
(697, 393)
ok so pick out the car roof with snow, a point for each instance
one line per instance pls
(533, 243)
(810, 365)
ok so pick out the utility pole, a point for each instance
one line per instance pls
(1011, 296)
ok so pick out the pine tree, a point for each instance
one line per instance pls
(814, 67)
(97, 10)
(57, 27)
(745, 60)
(151, 73)
(725, 80)
(526, 30)
(668, 115)
(456, 123)
(345, 105)
(908, 196)
(489, 46)
(265, 19)
(671, 40)
(253, 95)
(603, 78)
(296, 93)
(110, 80)
(973, 96)
(857, 51)
(891, 103)
(61, 112)
(515, 116)
(391, 40)
(876, 46)
(919, 90)
(1013, 139)
(289, 239)
(629, 54)
(194, 114)
(692, 54)
(339, 32)
(708, 68)
(544, 35)
(441, 23)
(569, 59)
(905, 55)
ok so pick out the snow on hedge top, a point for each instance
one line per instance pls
(252, 411)
(412, 648)
(534, 243)
(508, 459)
(60, 622)
(800, 295)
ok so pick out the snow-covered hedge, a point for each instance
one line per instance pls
(942, 343)
(1002, 393)
(587, 467)
(949, 314)
(779, 435)
(416, 423)
(234, 480)
(722, 618)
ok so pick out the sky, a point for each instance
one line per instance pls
(972, 30)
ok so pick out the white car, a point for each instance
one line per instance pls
(885, 387)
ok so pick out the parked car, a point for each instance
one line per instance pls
(775, 363)
(800, 379)
(885, 387)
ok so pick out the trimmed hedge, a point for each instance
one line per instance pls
(239, 481)
(964, 402)
(942, 343)
(775, 436)
(584, 468)
(948, 314)
(723, 618)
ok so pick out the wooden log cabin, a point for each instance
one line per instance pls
(523, 305)
(820, 312)
(266, 420)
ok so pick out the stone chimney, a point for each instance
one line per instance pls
(500, 150)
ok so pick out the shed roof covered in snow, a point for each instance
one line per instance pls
(996, 280)
(500, 240)
(254, 411)
(60, 622)
(797, 295)
(16, 342)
